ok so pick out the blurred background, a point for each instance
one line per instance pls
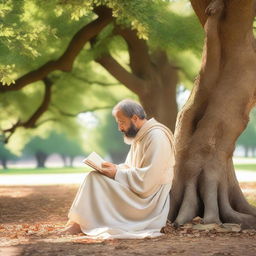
(50, 123)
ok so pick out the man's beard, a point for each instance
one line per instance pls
(132, 131)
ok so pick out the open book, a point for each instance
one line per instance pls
(94, 161)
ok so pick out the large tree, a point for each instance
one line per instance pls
(153, 77)
(215, 114)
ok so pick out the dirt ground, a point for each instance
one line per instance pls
(29, 216)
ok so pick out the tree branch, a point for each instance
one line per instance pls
(199, 7)
(31, 122)
(80, 112)
(46, 120)
(138, 52)
(94, 81)
(131, 81)
(65, 62)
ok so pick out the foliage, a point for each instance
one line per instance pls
(5, 154)
(105, 137)
(20, 34)
(54, 143)
(35, 32)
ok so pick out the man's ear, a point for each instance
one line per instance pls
(135, 118)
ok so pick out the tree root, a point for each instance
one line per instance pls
(220, 206)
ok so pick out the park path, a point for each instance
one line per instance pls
(77, 178)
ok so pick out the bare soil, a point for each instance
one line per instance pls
(30, 215)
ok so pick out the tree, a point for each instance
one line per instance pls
(151, 77)
(215, 114)
(5, 155)
(58, 143)
(66, 147)
(154, 66)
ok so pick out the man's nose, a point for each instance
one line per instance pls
(120, 128)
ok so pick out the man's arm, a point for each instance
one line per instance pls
(156, 165)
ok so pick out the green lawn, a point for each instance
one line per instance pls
(43, 170)
(249, 167)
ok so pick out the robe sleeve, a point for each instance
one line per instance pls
(147, 178)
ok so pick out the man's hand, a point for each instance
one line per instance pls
(108, 169)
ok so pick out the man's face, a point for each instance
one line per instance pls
(126, 125)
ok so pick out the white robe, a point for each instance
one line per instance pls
(136, 203)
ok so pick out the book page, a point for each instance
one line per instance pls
(94, 161)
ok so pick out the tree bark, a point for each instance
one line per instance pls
(160, 91)
(215, 115)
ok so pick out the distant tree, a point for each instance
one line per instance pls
(57, 143)
(248, 138)
(38, 147)
(68, 149)
(5, 155)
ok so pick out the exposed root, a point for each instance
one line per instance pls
(208, 193)
(190, 205)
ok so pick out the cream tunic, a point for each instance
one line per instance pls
(136, 203)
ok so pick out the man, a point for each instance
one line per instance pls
(128, 200)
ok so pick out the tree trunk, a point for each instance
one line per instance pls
(246, 151)
(40, 159)
(4, 163)
(160, 92)
(71, 161)
(215, 115)
(64, 160)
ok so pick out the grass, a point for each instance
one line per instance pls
(15, 171)
(247, 167)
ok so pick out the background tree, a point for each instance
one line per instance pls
(5, 155)
(66, 147)
(215, 114)
(248, 138)
(54, 143)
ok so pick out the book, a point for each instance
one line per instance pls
(94, 161)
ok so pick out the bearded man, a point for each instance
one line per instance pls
(129, 200)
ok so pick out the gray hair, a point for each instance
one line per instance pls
(129, 108)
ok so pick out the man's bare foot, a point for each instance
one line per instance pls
(71, 229)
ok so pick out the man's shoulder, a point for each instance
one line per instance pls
(155, 133)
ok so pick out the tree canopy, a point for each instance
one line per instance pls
(44, 39)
